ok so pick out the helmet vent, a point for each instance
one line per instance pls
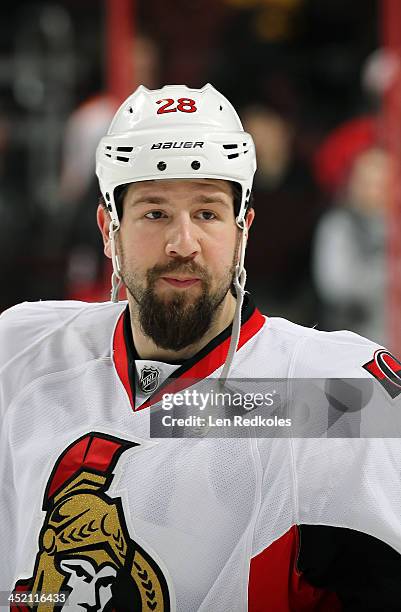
(235, 148)
(112, 152)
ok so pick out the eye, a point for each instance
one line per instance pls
(207, 215)
(153, 215)
(78, 571)
(81, 573)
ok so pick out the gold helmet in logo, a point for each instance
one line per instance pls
(83, 522)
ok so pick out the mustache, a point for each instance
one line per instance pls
(181, 265)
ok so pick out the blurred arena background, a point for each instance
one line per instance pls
(316, 82)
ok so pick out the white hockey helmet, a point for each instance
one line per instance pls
(175, 132)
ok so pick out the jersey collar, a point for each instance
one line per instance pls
(201, 365)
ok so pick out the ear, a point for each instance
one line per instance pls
(250, 215)
(103, 222)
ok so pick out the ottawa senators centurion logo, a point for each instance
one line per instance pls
(84, 546)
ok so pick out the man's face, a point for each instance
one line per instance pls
(90, 586)
(177, 247)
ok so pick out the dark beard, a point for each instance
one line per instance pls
(176, 324)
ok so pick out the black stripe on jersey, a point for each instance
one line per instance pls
(363, 571)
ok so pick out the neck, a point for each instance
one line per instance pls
(147, 349)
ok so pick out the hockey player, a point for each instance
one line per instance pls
(95, 507)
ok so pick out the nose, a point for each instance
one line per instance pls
(183, 238)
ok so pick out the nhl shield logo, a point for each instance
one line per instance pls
(149, 380)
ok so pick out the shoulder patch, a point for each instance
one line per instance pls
(387, 371)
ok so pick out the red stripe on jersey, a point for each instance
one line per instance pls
(275, 583)
(392, 363)
(374, 369)
(201, 369)
(120, 357)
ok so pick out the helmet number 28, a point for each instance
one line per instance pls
(184, 105)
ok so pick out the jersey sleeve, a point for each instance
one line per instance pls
(37, 338)
(15, 333)
(11, 332)
(348, 489)
(25, 325)
(353, 481)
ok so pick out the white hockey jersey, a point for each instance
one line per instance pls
(91, 505)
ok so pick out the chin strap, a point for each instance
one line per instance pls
(239, 285)
(116, 280)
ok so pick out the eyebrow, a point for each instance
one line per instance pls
(73, 568)
(148, 200)
(159, 200)
(212, 199)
